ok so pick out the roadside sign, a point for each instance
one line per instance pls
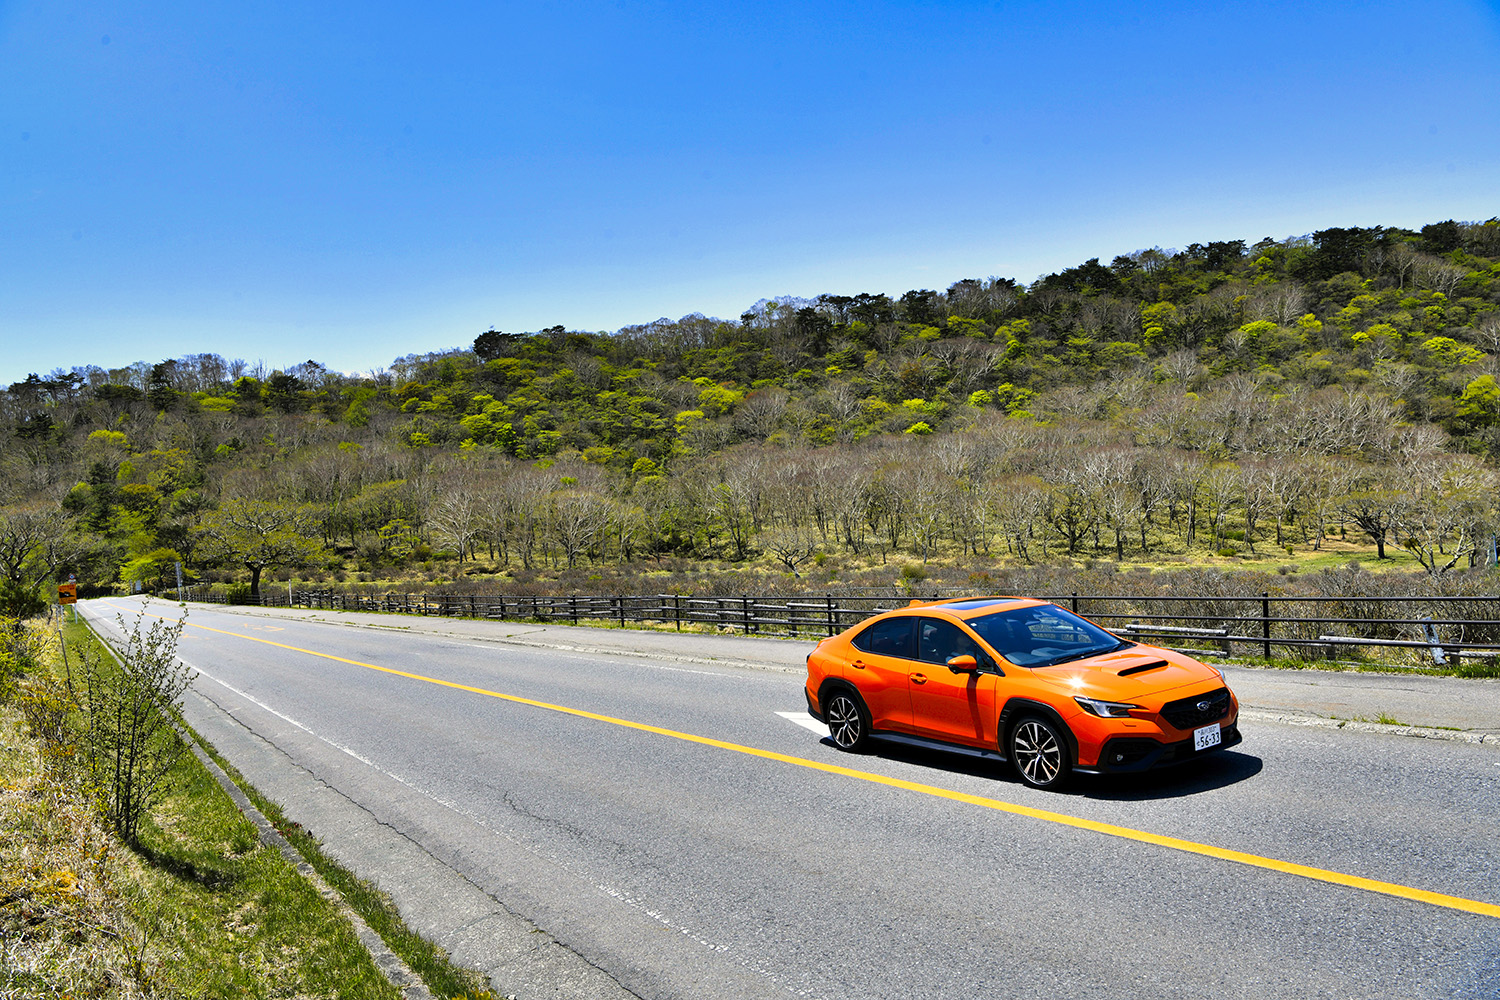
(67, 593)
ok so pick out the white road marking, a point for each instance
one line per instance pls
(484, 822)
(288, 719)
(805, 721)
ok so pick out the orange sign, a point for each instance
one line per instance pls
(67, 593)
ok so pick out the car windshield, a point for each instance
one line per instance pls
(1042, 636)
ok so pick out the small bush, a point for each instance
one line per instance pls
(130, 743)
(20, 650)
(18, 601)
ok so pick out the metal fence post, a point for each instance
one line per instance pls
(1075, 602)
(1265, 622)
(745, 612)
(828, 602)
(622, 610)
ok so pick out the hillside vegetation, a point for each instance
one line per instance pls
(1219, 403)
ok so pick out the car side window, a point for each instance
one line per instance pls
(939, 641)
(888, 637)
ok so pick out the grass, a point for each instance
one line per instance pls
(201, 909)
(1383, 718)
(424, 958)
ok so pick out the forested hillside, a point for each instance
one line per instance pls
(1211, 403)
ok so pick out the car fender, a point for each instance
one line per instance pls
(1015, 708)
(831, 684)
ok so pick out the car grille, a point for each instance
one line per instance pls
(1185, 714)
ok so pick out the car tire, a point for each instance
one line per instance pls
(848, 721)
(1039, 753)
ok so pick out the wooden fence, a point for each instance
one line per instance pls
(1307, 627)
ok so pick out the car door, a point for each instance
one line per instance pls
(880, 669)
(945, 705)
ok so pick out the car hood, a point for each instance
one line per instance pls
(1128, 675)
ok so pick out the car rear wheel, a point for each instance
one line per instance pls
(848, 722)
(1039, 753)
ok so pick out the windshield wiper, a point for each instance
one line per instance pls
(1122, 644)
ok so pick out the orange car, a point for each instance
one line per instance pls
(1021, 680)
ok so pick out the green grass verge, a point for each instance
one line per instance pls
(201, 909)
(443, 978)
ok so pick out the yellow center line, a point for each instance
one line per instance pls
(1108, 829)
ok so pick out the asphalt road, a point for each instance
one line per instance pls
(588, 824)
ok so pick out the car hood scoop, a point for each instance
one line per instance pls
(1141, 668)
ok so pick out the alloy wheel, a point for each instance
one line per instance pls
(1039, 754)
(846, 723)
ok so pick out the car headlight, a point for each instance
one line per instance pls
(1105, 709)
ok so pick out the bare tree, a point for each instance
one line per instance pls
(1375, 504)
(1402, 260)
(1439, 275)
(761, 411)
(791, 544)
(1020, 501)
(1282, 303)
(1451, 501)
(457, 513)
(579, 518)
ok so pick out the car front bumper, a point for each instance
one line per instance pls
(1133, 754)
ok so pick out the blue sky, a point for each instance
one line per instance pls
(284, 182)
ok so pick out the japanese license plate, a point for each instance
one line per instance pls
(1207, 736)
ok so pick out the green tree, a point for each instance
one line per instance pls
(1479, 403)
(260, 535)
(36, 541)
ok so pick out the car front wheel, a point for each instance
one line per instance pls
(848, 724)
(1039, 753)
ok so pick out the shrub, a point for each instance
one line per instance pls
(20, 651)
(130, 742)
(19, 601)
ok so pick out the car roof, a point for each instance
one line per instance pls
(971, 607)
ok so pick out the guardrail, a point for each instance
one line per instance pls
(1202, 624)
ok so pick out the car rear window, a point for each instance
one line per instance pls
(889, 637)
(1040, 636)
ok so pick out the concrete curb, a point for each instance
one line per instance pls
(1360, 726)
(400, 975)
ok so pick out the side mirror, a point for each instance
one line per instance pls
(965, 664)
